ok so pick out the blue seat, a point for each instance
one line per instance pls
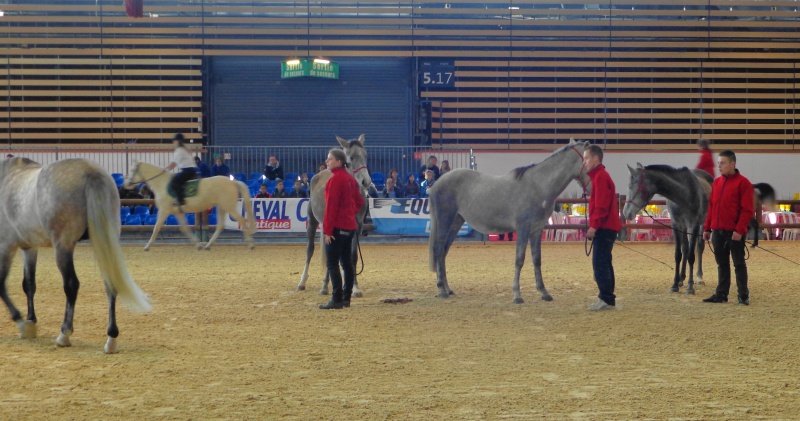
(239, 176)
(133, 220)
(256, 176)
(271, 184)
(292, 176)
(378, 180)
(124, 212)
(118, 178)
(213, 211)
(141, 210)
(190, 219)
(253, 191)
(151, 219)
(171, 220)
(212, 219)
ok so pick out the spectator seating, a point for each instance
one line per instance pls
(124, 212)
(379, 180)
(291, 177)
(256, 176)
(151, 219)
(239, 176)
(212, 219)
(133, 220)
(141, 210)
(190, 219)
(118, 178)
(171, 220)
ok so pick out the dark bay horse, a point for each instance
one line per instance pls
(687, 192)
(56, 206)
(357, 158)
(520, 201)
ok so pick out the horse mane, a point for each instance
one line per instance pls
(520, 171)
(665, 168)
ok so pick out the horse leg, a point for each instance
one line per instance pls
(311, 233)
(536, 256)
(677, 282)
(162, 217)
(354, 251)
(218, 230)
(519, 261)
(701, 245)
(66, 265)
(186, 231)
(455, 227)
(112, 331)
(690, 258)
(441, 240)
(243, 222)
(5, 266)
(28, 329)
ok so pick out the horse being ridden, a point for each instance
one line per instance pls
(764, 195)
(687, 192)
(56, 206)
(218, 191)
(357, 158)
(520, 201)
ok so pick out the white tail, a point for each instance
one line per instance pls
(250, 217)
(104, 235)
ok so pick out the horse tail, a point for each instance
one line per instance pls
(248, 206)
(102, 205)
(764, 192)
(432, 209)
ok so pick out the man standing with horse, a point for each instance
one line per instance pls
(729, 213)
(604, 225)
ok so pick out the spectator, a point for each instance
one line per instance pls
(9, 156)
(304, 182)
(298, 191)
(432, 166)
(202, 168)
(392, 191)
(411, 188)
(394, 175)
(262, 192)
(322, 167)
(273, 169)
(219, 168)
(445, 167)
(279, 192)
(427, 183)
(706, 160)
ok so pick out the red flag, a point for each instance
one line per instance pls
(134, 8)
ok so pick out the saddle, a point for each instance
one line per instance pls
(189, 189)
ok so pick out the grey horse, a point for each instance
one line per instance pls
(357, 159)
(56, 206)
(687, 192)
(520, 201)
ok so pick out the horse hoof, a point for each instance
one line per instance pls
(111, 346)
(699, 282)
(451, 292)
(690, 291)
(300, 288)
(518, 300)
(547, 297)
(358, 294)
(443, 295)
(63, 341)
(147, 248)
(323, 291)
(674, 289)
(27, 330)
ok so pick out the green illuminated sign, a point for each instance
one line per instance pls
(308, 67)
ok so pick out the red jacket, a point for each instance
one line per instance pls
(343, 200)
(603, 203)
(731, 204)
(706, 162)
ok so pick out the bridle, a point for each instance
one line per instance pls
(137, 171)
(583, 168)
(642, 191)
(363, 167)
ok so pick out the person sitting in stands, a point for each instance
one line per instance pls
(219, 168)
(273, 169)
(431, 165)
(262, 192)
(391, 190)
(428, 183)
(411, 188)
(304, 182)
(202, 168)
(322, 167)
(445, 168)
(279, 192)
(298, 191)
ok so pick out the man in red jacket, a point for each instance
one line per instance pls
(706, 160)
(729, 213)
(604, 225)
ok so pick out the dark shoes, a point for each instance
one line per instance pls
(716, 299)
(346, 303)
(745, 301)
(332, 305)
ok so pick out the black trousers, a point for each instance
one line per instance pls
(339, 252)
(178, 180)
(603, 267)
(726, 249)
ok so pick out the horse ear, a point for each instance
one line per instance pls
(639, 166)
(361, 139)
(633, 172)
(572, 141)
(342, 142)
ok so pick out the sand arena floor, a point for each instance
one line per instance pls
(229, 338)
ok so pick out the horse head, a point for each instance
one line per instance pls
(640, 191)
(582, 178)
(357, 158)
(134, 177)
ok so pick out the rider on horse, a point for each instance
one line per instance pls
(183, 160)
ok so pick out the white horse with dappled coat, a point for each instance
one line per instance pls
(57, 205)
(218, 191)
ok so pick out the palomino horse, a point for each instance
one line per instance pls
(687, 192)
(219, 191)
(357, 158)
(520, 201)
(57, 205)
